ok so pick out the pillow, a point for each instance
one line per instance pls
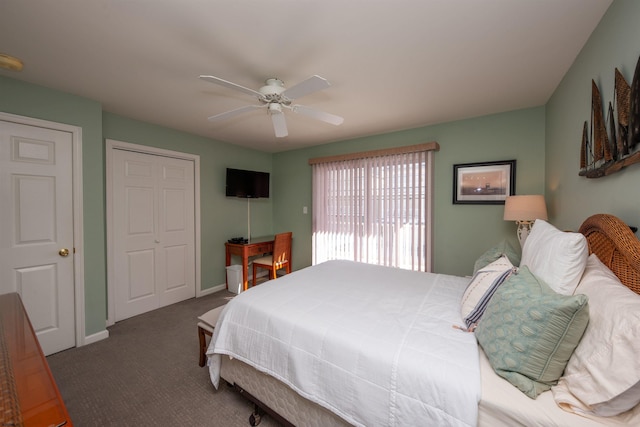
(556, 257)
(604, 371)
(619, 404)
(481, 289)
(492, 254)
(529, 331)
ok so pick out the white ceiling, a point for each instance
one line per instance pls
(392, 64)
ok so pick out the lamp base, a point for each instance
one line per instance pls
(524, 228)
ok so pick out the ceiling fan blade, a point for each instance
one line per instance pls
(318, 115)
(233, 113)
(279, 124)
(222, 82)
(312, 84)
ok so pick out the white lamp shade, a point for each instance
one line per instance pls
(525, 208)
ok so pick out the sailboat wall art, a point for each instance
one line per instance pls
(607, 149)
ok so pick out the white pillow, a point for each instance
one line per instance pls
(556, 257)
(604, 371)
(619, 404)
(482, 287)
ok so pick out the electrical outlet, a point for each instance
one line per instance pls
(304, 210)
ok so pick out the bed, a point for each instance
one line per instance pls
(344, 343)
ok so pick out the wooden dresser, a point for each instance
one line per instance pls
(29, 395)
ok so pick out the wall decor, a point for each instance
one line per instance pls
(602, 151)
(487, 183)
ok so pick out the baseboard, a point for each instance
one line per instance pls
(90, 339)
(213, 289)
(222, 287)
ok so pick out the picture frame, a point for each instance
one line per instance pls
(487, 183)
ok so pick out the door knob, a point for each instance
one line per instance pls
(63, 252)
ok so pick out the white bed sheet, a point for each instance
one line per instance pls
(372, 344)
(502, 404)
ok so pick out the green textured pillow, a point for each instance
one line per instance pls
(492, 254)
(529, 331)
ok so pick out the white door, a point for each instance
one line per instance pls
(36, 229)
(153, 232)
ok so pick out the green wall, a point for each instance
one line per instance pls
(615, 43)
(461, 232)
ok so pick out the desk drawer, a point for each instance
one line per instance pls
(262, 248)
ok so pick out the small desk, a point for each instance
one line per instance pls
(256, 246)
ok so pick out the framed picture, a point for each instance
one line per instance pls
(484, 183)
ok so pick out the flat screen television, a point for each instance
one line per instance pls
(247, 184)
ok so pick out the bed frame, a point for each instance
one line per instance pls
(608, 237)
(616, 245)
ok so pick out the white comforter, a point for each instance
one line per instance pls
(375, 345)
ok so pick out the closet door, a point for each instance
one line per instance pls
(176, 248)
(153, 234)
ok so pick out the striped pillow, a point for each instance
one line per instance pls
(482, 287)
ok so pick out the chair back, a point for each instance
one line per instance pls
(282, 248)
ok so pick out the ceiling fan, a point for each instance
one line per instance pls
(275, 98)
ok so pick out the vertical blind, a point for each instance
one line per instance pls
(375, 210)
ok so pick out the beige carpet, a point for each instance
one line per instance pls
(146, 374)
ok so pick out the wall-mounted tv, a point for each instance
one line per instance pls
(247, 184)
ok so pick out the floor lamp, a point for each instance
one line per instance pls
(524, 210)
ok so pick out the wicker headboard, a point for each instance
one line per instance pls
(617, 247)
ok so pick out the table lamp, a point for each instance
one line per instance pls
(524, 210)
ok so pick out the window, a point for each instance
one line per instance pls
(375, 207)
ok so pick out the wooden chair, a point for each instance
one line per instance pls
(281, 257)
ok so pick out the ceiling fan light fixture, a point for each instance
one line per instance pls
(10, 62)
(275, 108)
